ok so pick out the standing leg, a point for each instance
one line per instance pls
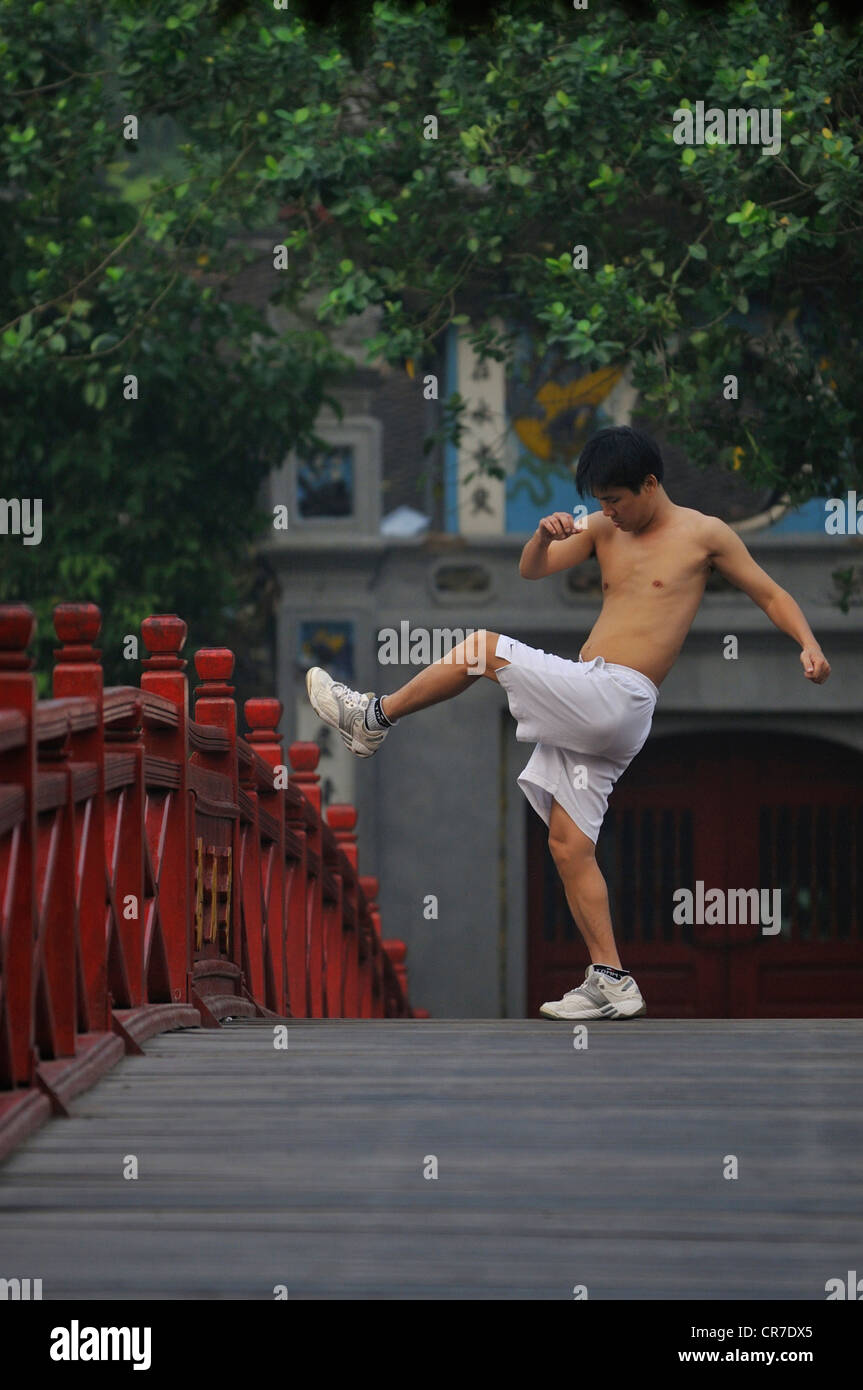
(586, 893)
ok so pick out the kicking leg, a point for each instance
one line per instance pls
(448, 677)
(361, 728)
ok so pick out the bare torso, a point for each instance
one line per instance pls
(652, 584)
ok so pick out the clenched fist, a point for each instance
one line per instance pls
(557, 527)
(816, 667)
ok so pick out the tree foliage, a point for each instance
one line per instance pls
(550, 130)
(149, 504)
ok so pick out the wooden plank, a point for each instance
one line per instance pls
(557, 1167)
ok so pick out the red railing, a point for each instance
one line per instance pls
(159, 871)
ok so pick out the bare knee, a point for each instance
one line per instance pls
(572, 851)
(570, 856)
(477, 653)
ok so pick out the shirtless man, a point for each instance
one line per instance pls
(589, 718)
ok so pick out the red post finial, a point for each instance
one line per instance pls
(304, 756)
(263, 714)
(17, 630)
(215, 666)
(77, 626)
(164, 635)
(78, 668)
(396, 950)
(342, 820)
(370, 886)
(77, 623)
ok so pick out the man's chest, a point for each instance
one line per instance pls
(628, 565)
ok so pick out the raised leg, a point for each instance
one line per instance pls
(448, 677)
(586, 892)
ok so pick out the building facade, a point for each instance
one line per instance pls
(752, 778)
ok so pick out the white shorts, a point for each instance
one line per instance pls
(588, 720)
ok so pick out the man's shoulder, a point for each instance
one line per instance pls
(703, 525)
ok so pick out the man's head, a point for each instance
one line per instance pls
(622, 469)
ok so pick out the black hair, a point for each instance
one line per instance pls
(617, 457)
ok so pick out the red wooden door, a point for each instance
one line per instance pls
(732, 811)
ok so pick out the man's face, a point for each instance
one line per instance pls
(627, 509)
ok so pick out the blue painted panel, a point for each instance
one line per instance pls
(808, 518)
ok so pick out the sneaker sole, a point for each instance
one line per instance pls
(592, 1018)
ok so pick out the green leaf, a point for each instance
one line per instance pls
(697, 251)
(688, 155)
(478, 176)
(519, 176)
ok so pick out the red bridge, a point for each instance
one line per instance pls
(159, 871)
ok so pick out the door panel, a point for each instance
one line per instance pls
(733, 811)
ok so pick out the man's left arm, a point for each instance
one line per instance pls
(729, 555)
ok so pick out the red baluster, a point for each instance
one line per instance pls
(263, 716)
(343, 819)
(18, 846)
(78, 935)
(168, 927)
(215, 705)
(372, 999)
(397, 951)
(304, 759)
(297, 887)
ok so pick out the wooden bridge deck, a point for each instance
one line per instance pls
(260, 1167)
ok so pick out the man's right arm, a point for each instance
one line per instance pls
(558, 543)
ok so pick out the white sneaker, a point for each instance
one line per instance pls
(344, 709)
(599, 996)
